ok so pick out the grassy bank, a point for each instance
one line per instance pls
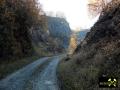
(75, 77)
(9, 66)
(83, 70)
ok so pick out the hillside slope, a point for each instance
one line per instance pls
(98, 54)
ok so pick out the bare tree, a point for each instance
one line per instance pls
(96, 6)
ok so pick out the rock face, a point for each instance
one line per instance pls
(59, 29)
(43, 42)
(52, 37)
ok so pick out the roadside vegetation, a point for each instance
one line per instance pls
(98, 54)
(17, 17)
(7, 67)
(24, 35)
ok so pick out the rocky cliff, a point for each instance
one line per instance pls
(44, 43)
(59, 28)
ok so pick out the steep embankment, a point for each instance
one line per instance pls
(97, 55)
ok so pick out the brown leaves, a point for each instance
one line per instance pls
(16, 18)
(96, 6)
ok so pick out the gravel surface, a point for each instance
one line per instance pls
(39, 75)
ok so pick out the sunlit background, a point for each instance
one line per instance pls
(75, 11)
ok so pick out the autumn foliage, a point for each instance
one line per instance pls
(96, 6)
(16, 19)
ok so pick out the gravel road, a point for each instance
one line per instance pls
(39, 75)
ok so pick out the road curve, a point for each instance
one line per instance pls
(38, 75)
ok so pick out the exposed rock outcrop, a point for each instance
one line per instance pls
(59, 28)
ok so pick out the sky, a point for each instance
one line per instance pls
(75, 11)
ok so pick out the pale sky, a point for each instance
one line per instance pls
(75, 11)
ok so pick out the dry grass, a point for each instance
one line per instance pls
(83, 70)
